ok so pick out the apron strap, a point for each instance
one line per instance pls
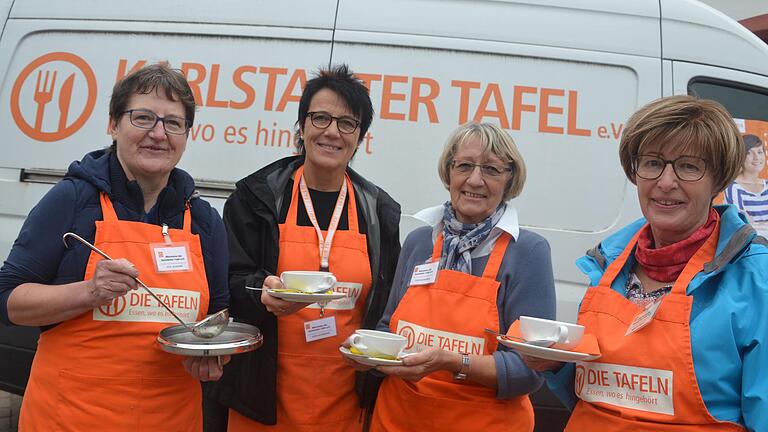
(497, 255)
(615, 267)
(352, 221)
(187, 224)
(107, 209)
(293, 209)
(494, 260)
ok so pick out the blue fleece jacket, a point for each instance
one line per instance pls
(729, 321)
(38, 255)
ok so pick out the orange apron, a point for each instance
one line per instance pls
(450, 313)
(103, 370)
(315, 388)
(644, 381)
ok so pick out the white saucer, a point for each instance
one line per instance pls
(304, 297)
(546, 353)
(368, 361)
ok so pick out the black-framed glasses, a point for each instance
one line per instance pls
(486, 170)
(686, 168)
(322, 119)
(146, 119)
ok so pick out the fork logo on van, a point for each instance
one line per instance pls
(53, 96)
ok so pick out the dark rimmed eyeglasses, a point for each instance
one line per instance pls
(686, 168)
(146, 119)
(322, 119)
(486, 170)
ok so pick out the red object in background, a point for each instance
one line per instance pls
(757, 25)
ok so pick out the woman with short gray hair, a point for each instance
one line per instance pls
(486, 272)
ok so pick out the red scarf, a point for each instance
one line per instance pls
(665, 264)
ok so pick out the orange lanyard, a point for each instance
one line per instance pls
(324, 244)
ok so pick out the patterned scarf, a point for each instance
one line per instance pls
(665, 264)
(459, 239)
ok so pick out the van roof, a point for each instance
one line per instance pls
(691, 30)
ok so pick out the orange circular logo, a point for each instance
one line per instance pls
(409, 334)
(47, 93)
(578, 382)
(115, 308)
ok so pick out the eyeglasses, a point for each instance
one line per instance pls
(321, 119)
(686, 168)
(146, 119)
(486, 170)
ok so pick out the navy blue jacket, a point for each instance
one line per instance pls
(39, 256)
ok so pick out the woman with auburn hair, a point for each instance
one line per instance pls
(678, 299)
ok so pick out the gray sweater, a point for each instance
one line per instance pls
(527, 288)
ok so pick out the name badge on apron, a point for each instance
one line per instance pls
(424, 274)
(171, 257)
(643, 318)
(320, 329)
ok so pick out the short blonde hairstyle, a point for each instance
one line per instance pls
(695, 127)
(495, 141)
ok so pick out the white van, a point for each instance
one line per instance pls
(560, 75)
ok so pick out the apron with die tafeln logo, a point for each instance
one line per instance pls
(644, 381)
(103, 370)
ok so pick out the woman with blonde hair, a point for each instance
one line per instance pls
(489, 271)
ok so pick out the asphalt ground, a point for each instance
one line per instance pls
(9, 412)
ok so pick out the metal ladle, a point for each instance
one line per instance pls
(207, 328)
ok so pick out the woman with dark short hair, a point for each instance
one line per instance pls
(98, 366)
(295, 383)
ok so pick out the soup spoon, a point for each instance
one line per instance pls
(544, 343)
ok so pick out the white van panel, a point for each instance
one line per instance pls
(629, 27)
(214, 62)
(693, 32)
(576, 191)
(313, 13)
(413, 133)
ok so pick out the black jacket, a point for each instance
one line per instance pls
(251, 218)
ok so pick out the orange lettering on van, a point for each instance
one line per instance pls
(250, 93)
(427, 100)
(213, 82)
(194, 83)
(518, 106)
(269, 95)
(122, 68)
(465, 87)
(299, 76)
(573, 102)
(368, 79)
(387, 96)
(500, 113)
(545, 109)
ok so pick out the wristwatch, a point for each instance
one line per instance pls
(461, 375)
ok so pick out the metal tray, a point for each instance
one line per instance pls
(237, 338)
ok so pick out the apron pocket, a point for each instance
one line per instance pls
(317, 390)
(164, 402)
(91, 403)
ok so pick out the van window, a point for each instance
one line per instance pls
(742, 101)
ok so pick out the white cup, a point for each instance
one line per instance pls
(374, 343)
(308, 281)
(564, 335)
